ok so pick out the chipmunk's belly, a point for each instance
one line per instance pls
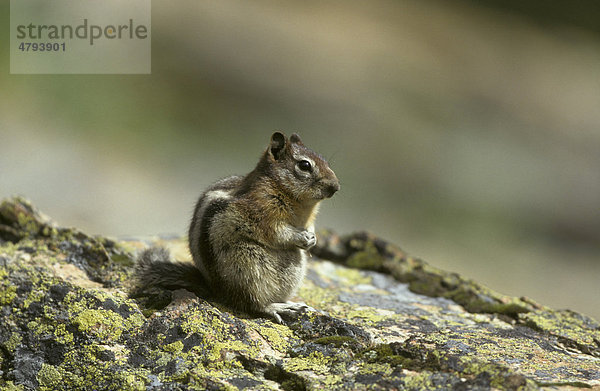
(279, 279)
(277, 275)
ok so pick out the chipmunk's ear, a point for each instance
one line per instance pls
(295, 139)
(278, 144)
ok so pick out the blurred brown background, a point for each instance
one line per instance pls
(467, 132)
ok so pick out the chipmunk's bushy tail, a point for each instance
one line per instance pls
(154, 269)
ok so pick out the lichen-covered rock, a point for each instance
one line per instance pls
(384, 321)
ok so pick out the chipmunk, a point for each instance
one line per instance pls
(250, 235)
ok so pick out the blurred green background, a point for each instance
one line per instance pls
(467, 132)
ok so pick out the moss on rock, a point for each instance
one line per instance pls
(384, 320)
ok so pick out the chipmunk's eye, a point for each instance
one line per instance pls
(304, 165)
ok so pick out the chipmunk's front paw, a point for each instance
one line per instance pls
(307, 240)
(288, 310)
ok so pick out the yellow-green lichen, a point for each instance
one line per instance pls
(413, 349)
(34, 296)
(315, 362)
(219, 350)
(500, 375)
(331, 381)
(28, 224)
(62, 334)
(316, 296)
(218, 347)
(49, 377)
(7, 294)
(49, 231)
(123, 260)
(383, 369)
(198, 375)
(367, 259)
(10, 386)
(103, 324)
(163, 360)
(174, 347)
(352, 277)
(418, 381)
(564, 324)
(100, 323)
(278, 336)
(384, 354)
(81, 369)
(201, 322)
(45, 326)
(133, 382)
(367, 315)
(8, 249)
(14, 341)
(478, 299)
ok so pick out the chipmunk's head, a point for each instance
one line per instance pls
(301, 173)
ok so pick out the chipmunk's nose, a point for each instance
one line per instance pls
(331, 188)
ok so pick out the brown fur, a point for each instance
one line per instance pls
(249, 235)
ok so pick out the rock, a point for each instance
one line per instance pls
(384, 320)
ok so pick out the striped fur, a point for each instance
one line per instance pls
(249, 235)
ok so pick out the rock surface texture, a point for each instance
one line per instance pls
(385, 320)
